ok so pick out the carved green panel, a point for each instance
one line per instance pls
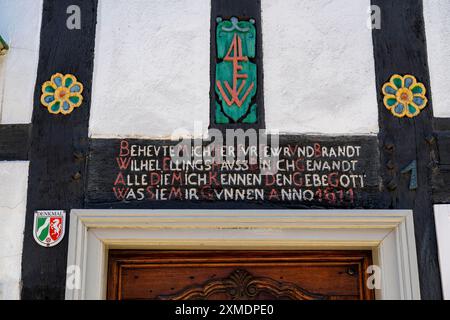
(235, 74)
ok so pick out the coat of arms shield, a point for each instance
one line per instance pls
(49, 227)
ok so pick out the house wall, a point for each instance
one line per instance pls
(151, 76)
(152, 61)
(20, 22)
(318, 67)
(437, 26)
(151, 73)
(13, 199)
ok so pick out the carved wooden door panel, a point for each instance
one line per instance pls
(238, 275)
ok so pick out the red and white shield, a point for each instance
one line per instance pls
(48, 229)
(56, 228)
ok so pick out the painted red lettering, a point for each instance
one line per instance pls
(123, 163)
(151, 194)
(124, 148)
(166, 163)
(206, 193)
(297, 179)
(317, 150)
(333, 180)
(274, 194)
(155, 178)
(121, 193)
(120, 179)
(175, 193)
(270, 180)
(176, 176)
(213, 178)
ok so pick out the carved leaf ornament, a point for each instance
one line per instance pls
(242, 285)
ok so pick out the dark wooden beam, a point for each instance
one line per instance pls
(443, 140)
(104, 170)
(14, 141)
(441, 185)
(441, 168)
(441, 124)
(400, 48)
(59, 144)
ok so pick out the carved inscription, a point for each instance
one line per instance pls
(310, 172)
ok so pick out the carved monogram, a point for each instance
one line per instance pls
(236, 74)
(242, 285)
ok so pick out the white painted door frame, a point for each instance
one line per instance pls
(388, 233)
(442, 221)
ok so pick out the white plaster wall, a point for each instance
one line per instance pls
(20, 25)
(437, 28)
(442, 222)
(151, 72)
(13, 196)
(319, 72)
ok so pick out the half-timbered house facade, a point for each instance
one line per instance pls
(232, 149)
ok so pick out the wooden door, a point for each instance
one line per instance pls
(228, 275)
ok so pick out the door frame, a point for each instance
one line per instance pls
(388, 233)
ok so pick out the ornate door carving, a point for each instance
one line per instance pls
(242, 285)
(238, 275)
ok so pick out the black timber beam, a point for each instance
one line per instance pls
(14, 141)
(59, 144)
(441, 170)
(400, 48)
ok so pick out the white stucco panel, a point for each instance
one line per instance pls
(319, 72)
(151, 73)
(13, 201)
(20, 25)
(437, 27)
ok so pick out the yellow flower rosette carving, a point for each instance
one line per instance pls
(62, 94)
(404, 96)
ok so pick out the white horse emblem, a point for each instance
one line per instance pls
(56, 226)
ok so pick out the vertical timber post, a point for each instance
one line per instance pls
(59, 143)
(400, 48)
